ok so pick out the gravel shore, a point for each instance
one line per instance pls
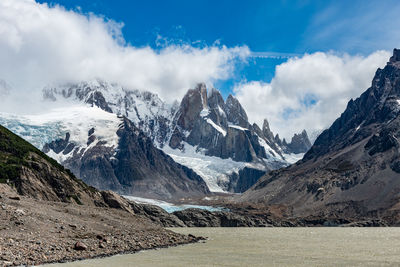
(35, 232)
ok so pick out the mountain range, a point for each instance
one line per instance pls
(134, 143)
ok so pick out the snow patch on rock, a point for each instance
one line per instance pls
(216, 126)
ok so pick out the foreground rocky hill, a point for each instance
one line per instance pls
(352, 170)
(31, 172)
(48, 215)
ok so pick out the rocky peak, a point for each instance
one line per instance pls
(192, 104)
(145, 109)
(215, 99)
(300, 143)
(235, 112)
(97, 99)
(396, 56)
(267, 131)
(277, 139)
(284, 143)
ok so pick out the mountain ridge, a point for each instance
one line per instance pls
(352, 168)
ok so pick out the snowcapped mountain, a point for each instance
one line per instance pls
(145, 109)
(206, 134)
(76, 120)
(208, 131)
(107, 151)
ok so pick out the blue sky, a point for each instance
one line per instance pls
(293, 27)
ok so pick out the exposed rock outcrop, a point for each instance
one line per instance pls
(244, 179)
(209, 123)
(299, 143)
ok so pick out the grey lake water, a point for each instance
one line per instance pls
(270, 247)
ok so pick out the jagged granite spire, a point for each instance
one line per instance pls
(266, 130)
(300, 143)
(235, 112)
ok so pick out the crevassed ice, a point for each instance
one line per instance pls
(213, 170)
(293, 158)
(77, 120)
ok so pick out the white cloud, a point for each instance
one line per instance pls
(41, 45)
(327, 79)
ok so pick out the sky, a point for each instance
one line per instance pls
(296, 63)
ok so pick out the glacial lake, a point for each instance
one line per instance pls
(270, 247)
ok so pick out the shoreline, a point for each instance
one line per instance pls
(281, 246)
(193, 241)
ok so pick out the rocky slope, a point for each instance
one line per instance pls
(352, 168)
(250, 215)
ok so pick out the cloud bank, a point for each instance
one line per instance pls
(41, 44)
(309, 92)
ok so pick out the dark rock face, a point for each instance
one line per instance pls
(97, 99)
(300, 143)
(377, 105)
(136, 167)
(58, 145)
(244, 179)
(353, 167)
(236, 113)
(157, 215)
